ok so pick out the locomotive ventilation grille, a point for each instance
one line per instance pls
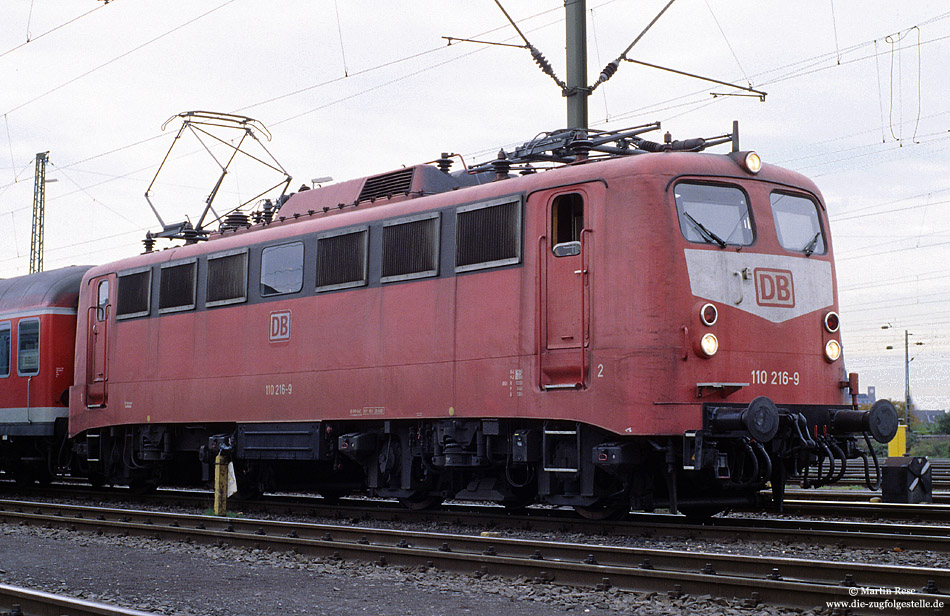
(386, 185)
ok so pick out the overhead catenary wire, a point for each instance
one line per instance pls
(895, 39)
(834, 26)
(609, 70)
(383, 65)
(30, 39)
(94, 199)
(367, 90)
(538, 57)
(339, 29)
(371, 89)
(593, 28)
(29, 19)
(6, 122)
(119, 57)
(728, 44)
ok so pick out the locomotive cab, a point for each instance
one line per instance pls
(766, 359)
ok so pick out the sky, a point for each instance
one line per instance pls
(858, 99)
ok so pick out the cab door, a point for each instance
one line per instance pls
(99, 317)
(564, 281)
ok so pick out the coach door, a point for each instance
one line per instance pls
(564, 280)
(98, 318)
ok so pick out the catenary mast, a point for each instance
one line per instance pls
(577, 90)
(39, 213)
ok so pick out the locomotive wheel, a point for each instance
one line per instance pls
(24, 478)
(699, 514)
(421, 500)
(251, 481)
(332, 497)
(516, 505)
(143, 485)
(603, 511)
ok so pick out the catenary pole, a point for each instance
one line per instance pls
(577, 90)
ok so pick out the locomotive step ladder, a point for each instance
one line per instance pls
(558, 440)
(93, 447)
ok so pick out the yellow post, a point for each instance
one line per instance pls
(898, 445)
(220, 485)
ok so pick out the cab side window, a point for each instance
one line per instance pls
(567, 222)
(102, 300)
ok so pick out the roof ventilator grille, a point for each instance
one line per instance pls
(386, 185)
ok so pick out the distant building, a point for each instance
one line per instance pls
(868, 398)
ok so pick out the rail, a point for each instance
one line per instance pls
(798, 582)
(18, 601)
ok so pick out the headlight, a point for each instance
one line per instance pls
(752, 162)
(832, 322)
(709, 344)
(708, 314)
(832, 350)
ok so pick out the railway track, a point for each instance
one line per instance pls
(874, 533)
(919, 513)
(939, 472)
(846, 495)
(17, 601)
(781, 581)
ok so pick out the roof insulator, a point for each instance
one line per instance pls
(501, 166)
(444, 163)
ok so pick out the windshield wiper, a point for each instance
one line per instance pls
(709, 235)
(810, 246)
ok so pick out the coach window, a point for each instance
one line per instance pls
(567, 222)
(134, 293)
(714, 214)
(176, 289)
(488, 234)
(227, 278)
(797, 224)
(28, 347)
(410, 248)
(4, 349)
(341, 259)
(282, 269)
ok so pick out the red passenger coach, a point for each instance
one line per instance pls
(37, 345)
(636, 326)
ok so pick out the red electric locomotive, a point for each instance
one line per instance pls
(37, 346)
(638, 325)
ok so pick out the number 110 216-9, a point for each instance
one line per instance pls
(775, 377)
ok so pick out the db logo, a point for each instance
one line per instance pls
(280, 326)
(773, 287)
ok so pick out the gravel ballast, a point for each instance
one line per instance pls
(168, 577)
